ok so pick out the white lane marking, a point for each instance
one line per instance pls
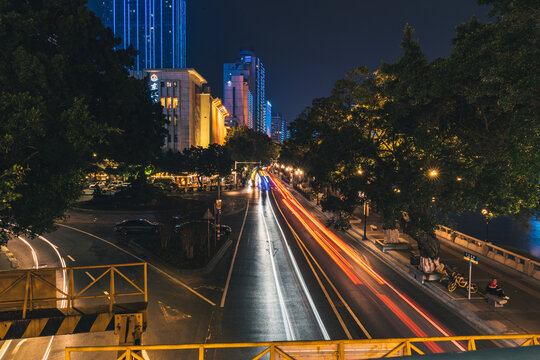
(48, 351)
(71, 258)
(173, 279)
(226, 289)
(34, 255)
(302, 282)
(286, 319)
(90, 276)
(4, 348)
(16, 350)
(63, 303)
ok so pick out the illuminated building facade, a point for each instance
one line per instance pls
(244, 92)
(193, 117)
(279, 128)
(268, 119)
(155, 28)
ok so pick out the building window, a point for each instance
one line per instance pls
(175, 117)
(163, 101)
(162, 84)
(169, 118)
(169, 138)
(169, 84)
(169, 102)
(174, 102)
(175, 138)
(174, 84)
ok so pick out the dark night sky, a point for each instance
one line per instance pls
(306, 45)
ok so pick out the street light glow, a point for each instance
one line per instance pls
(360, 172)
(459, 178)
(433, 173)
(484, 212)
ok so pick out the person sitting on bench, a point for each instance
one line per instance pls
(494, 289)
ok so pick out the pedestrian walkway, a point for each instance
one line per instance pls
(520, 315)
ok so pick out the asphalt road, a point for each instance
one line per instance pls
(291, 279)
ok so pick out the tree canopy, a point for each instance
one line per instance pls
(420, 139)
(245, 144)
(66, 101)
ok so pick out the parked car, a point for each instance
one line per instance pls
(136, 226)
(224, 230)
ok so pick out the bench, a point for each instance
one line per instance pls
(373, 227)
(495, 301)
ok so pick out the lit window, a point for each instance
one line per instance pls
(169, 102)
(174, 84)
(175, 119)
(168, 84)
(163, 101)
(175, 102)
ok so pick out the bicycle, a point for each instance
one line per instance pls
(456, 279)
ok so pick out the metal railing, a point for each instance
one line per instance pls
(37, 288)
(339, 350)
(517, 262)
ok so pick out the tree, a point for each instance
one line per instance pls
(245, 144)
(66, 101)
(420, 139)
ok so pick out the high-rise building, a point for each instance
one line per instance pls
(279, 128)
(244, 92)
(155, 28)
(268, 119)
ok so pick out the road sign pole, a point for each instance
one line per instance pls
(470, 271)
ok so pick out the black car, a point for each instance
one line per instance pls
(224, 230)
(136, 226)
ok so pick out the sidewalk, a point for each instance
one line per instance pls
(520, 315)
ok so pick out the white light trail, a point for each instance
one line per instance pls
(286, 320)
(302, 282)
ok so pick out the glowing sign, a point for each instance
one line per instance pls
(154, 89)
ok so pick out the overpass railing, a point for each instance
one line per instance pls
(339, 350)
(47, 288)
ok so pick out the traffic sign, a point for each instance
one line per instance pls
(470, 257)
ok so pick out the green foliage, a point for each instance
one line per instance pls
(473, 117)
(245, 144)
(65, 95)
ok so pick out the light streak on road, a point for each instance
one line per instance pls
(48, 351)
(300, 278)
(34, 255)
(4, 348)
(335, 247)
(286, 319)
(63, 303)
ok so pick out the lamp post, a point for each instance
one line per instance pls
(487, 216)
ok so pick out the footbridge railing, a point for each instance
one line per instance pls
(339, 350)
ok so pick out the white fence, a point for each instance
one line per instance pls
(515, 261)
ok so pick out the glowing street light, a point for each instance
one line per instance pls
(360, 172)
(459, 178)
(433, 173)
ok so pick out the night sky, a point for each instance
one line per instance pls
(306, 45)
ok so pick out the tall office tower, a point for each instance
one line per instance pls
(244, 92)
(155, 28)
(279, 128)
(268, 119)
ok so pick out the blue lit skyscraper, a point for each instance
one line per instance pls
(155, 28)
(244, 92)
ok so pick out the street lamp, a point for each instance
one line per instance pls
(487, 215)
(433, 173)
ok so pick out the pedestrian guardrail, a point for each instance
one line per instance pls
(515, 261)
(47, 288)
(339, 350)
